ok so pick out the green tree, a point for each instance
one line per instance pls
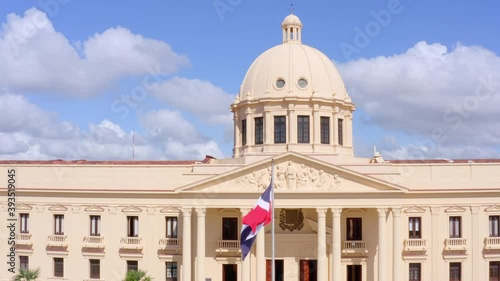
(27, 275)
(139, 275)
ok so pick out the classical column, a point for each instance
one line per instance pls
(250, 127)
(237, 133)
(322, 266)
(397, 241)
(292, 124)
(261, 255)
(382, 255)
(200, 244)
(476, 245)
(186, 244)
(316, 125)
(245, 264)
(336, 245)
(268, 126)
(437, 244)
(335, 133)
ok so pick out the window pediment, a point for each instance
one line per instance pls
(94, 209)
(131, 209)
(415, 210)
(455, 209)
(57, 208)
(493, 209)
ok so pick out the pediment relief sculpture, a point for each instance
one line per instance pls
(291, 176)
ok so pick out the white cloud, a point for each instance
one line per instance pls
(35, 57)
(450, 97)
(201, 98)
(29, 132)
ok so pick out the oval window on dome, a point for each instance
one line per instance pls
(280, 83)
(302, 83)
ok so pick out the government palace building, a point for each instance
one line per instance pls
(337, 217)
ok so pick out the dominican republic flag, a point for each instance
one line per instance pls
(260, 215)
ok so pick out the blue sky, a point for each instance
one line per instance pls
(425, 75)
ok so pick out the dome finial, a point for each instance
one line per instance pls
(292, 28)
(292, 9)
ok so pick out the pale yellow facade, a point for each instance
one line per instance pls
(337, 217)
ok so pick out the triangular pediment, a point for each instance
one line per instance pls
(24, 207)
(414, 210)
(94, 209)
(171, 210)
(455, 209)
(131, 209)
(493, 209)
(58, 208)
(294, 173)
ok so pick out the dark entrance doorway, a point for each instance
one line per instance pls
(354, 272)
(229, 272)
(278, 266)
(308, 270)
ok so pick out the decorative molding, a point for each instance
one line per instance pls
(131, 209)
(40, 208)
(291, 219)
(112, 209)
(321, 212)
(151, 210)
(57, 208)
(415, 209)
(75, 209)
(187, 211)
(493, 209)
(354, 210)
(171, 210)
(396, 212)
(23, 207)
(289, 176)
(245, 211)
(455, 209)
(201, 212)
(336, 212)
(474, 210)
(382, 212)
(94, 209)
(228, 210)
(435, 210)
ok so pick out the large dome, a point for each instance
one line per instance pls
(292, 69)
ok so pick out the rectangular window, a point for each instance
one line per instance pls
(229, 228)
(133, 226)
(494, 270)
(24, 218)
(340, 132)
(95, 225)
(325, 130)
(415, 272)
(59, 224)
(414, 228)
(455, 271)
(259, 130)
(171, 227)
(354, 231)
(279, 129)
(132, 266)
(455, 228)
(244, 132)
(95, 269)
(24, 262)
(58, 267)
(354, 272)
(303, 129)
(494, 226)
(171, 268)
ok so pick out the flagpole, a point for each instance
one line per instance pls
(273, 269)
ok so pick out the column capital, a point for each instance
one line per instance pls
(475, 209)
(382, 212)
(248, 111)
(321, 212)
(186, 211)
(435, 211)
(396, 212)
(201, 212)
(336, 212)
(245, 211)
